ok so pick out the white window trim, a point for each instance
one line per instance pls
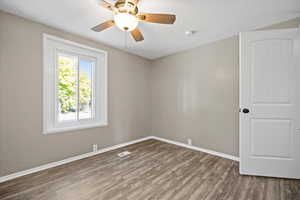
(49, 118)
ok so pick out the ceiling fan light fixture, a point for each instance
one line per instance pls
(127, 17)
(126, 21)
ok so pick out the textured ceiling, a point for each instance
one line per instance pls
(213, 20)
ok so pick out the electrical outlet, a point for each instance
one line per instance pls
(95, 147)
(190, 141)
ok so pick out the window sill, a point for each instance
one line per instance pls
(73, 128)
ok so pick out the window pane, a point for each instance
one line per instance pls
(67, 89)
(85, 89)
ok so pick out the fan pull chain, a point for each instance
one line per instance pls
(125, 40)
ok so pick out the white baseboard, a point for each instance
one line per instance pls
(68, 160)
(223, 155)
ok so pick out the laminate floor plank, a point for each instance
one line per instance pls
(154, 171)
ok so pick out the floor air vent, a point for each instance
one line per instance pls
(124, 154)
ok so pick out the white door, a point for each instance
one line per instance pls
(270, 103)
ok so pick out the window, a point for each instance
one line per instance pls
(75, 86)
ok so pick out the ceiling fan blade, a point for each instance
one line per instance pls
(107, 5)
(157, 18)
(137, 35)
(103, 26)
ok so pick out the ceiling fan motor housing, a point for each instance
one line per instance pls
(127, 6)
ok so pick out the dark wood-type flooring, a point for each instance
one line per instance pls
(155, 170)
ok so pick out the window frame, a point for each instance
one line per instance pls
(52, 47)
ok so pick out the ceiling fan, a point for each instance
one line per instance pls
(127, 17)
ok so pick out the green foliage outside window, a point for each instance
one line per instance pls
(67, 86)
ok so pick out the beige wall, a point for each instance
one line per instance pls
(195, 94)
(22, 144)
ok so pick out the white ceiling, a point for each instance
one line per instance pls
(213, 19)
